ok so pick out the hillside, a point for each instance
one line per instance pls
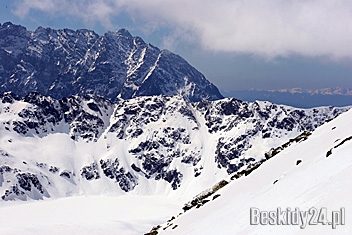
(314, 173)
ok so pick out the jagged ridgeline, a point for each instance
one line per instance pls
(64, 62)
(146, 145)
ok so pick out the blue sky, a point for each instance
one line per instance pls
(237, 44)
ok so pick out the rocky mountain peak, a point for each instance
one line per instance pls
(65, 62)
(124, 33)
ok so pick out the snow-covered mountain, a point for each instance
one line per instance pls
(311, 171)
(150, 145)
(311, 177)
(64, 62)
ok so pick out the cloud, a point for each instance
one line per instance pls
(268, 28)
(90, 11)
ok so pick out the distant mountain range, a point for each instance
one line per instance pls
(323, 91)
(297, 97)
(65, 62)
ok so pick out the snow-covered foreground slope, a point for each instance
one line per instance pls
(323, 179)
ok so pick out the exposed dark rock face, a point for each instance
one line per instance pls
(61, 63)
(26, 183)
(44, 114)
(124, 178)
(27, 180)
(66, 174)
(90, 172)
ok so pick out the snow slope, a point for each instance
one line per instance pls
(317, 181)
(86, 215)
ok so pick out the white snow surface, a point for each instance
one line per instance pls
(318, 181)
(86, 215)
